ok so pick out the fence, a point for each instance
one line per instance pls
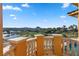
(42, 45)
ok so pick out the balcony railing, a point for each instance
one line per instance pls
(31, 47)
(42, 46)
(71, 47)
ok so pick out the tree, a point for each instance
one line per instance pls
(54, 30)
(64, 28)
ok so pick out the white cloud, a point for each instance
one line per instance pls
(62, 16)
(25, 5)
(17, 8)
(14, 18)
(9, 7)
(12, 15)
(65, 5)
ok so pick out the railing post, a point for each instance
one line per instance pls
(67, 52)
(1, 30)
(78, 46)
(78, 30)
(40, 45)
(58, 44)
(20, 46)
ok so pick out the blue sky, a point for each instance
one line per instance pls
(44, 15)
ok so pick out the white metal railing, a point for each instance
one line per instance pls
(71, 46)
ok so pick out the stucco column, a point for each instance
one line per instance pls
(78, 21)
(1, 39)
(20, 46)
(40, 45)
(58, 44)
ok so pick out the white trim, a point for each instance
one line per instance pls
(39, 1)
